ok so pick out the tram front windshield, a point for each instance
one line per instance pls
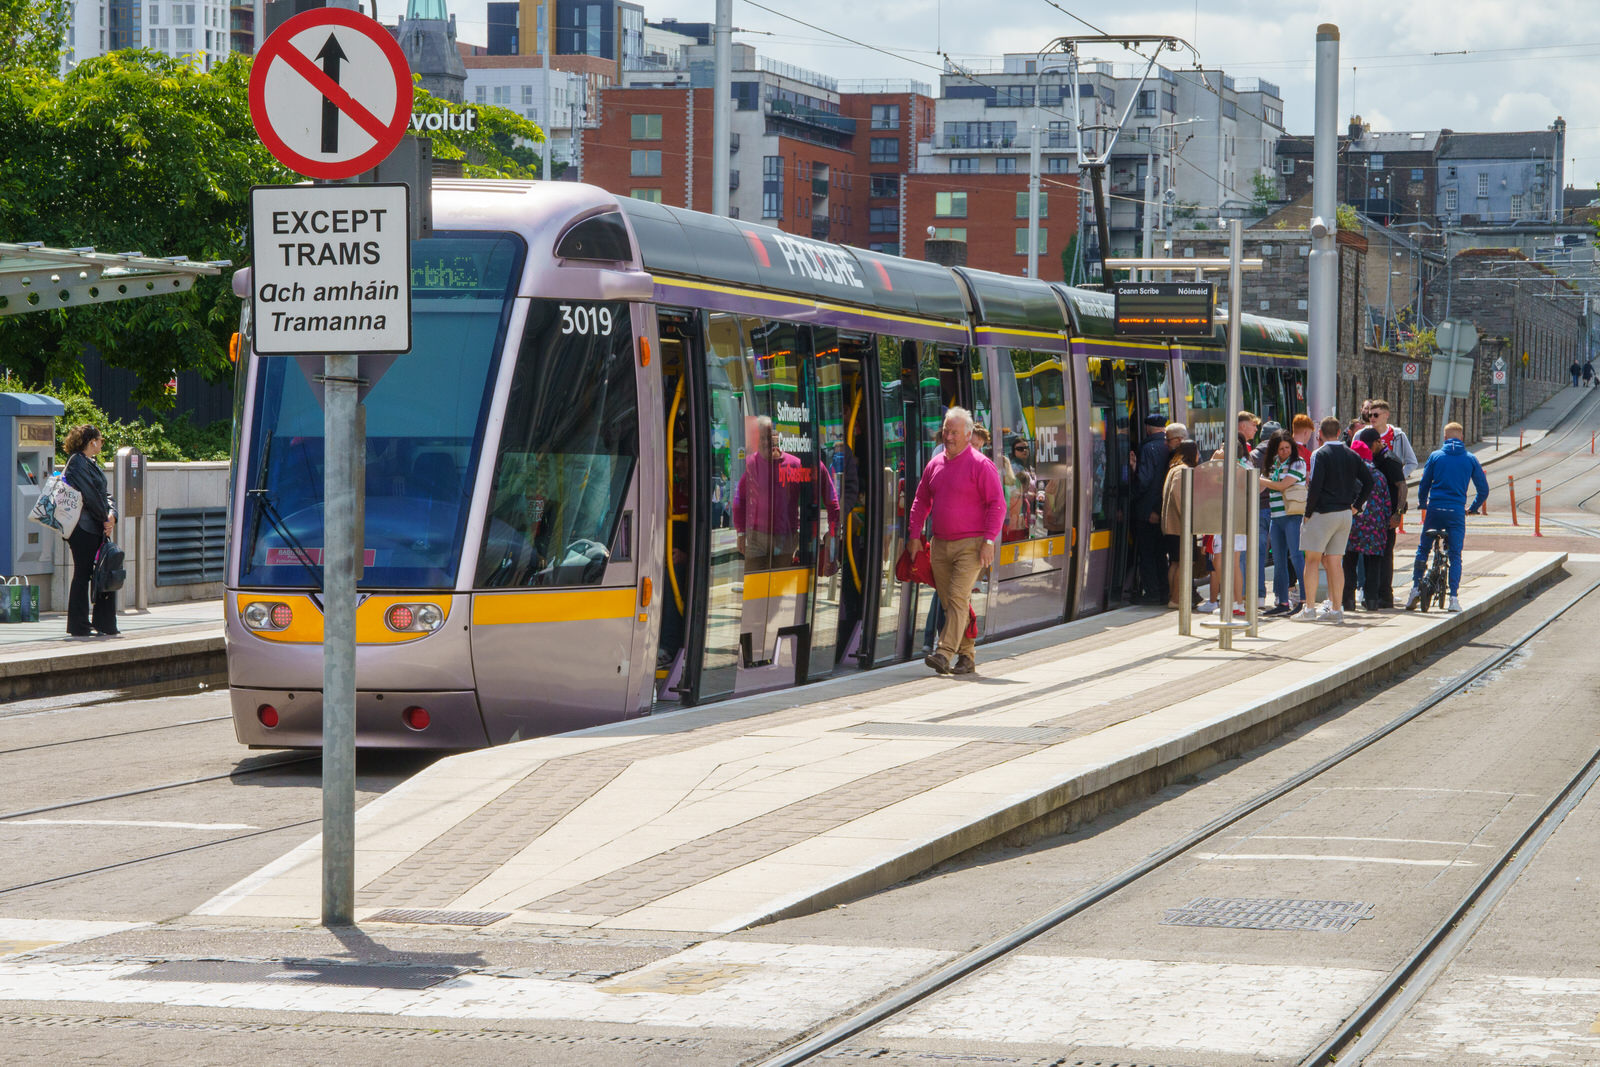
(424, 420)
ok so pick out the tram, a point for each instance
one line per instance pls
(640, 457)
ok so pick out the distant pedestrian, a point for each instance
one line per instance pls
(1185, 453)
(1394, 438)
(960, 490)
(1338, 489)
(1286, 473)
(1575, 370)
(1369, 532)
(1260, 459)
(1393, 473)
(96, 524)
(1588, 372)
(1149, 476)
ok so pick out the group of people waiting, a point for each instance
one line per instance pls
(1330, 506)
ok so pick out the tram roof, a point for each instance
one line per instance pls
(1004, 300)
(692, 244)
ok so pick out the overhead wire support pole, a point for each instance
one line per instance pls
(722, 108)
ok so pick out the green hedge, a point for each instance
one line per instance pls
(173, 438)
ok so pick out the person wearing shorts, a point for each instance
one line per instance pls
(1338, 490)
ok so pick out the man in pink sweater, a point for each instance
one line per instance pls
(961, 489)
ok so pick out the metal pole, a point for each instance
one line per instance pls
(722, 108)
(1322, 396)
(341, 538)
(1033, 176)
(1252, 574)
(545, 9)
(1230, 454)
(1186, 554)
(1149, 205)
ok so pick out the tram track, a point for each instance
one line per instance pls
(163, 787)
(1358, 1033)
(114, 736)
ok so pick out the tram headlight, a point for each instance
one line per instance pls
(263, 615)
(414, 618)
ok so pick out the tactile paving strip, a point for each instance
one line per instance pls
(437, 917)
(1256, 913)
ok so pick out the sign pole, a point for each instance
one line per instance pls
(1230, 441)
(341, 545)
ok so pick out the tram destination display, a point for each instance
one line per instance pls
(1165, 309)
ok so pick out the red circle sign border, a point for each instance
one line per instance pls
(393, 131)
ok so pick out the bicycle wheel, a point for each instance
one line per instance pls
(1440, 572)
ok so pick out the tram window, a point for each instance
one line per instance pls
(568, 449)
(425, 418)
(1034, 429)
(1208, 396)
(1158, 389)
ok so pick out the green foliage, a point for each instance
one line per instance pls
(1348, 218)
(1069, 260)
(32, 33)
(1264, 190)
(138, 151)
(174, 438)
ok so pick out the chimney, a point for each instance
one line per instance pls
(1356, 128)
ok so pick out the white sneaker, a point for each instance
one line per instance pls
(1455, 605)
(1207, 608)
(1306, 614)
(1333, 615)
(1238, 609)
(1414, 599)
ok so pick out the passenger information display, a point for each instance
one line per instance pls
(1165, 309)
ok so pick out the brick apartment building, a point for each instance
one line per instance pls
(985, 217)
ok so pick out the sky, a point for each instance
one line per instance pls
(1506, 64)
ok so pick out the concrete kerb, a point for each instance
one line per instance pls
(1083, 796)
(111, 665)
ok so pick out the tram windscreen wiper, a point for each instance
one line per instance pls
(264, 508)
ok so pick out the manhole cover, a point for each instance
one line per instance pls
(437, 917)
(1247, 913)
(296, 971)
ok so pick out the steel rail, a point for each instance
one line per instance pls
(112, 737)
(981, 957)
(263, 768)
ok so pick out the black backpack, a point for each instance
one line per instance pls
(110, 569)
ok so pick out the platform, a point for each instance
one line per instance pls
(164, 643)
(719, 818)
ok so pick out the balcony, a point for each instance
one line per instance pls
(811, 116)
(965, 140)
(733, 143)
(819, 188)
(733, 180)
(819, 229)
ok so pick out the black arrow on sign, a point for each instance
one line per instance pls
(331, 56)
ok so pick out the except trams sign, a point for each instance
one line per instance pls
(332, 269)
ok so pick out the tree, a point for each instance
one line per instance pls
(32, 33)
(1263, 192)
(138, 151)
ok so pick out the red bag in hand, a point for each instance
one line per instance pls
(919, 570)
(972, 623)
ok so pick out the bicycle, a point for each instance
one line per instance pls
(1435, 584)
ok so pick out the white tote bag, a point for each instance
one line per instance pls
(58, 506)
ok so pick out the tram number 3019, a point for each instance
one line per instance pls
(585, 320)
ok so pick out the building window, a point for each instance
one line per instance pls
(527, 95)
(772, 168)
(1416, 174)
(1286, 166)
(1375, 161)
(502, 95)
(1450, 200)
(885, 185)
(1483, 185)
(1022, 240)
(950, 233)
(1044, 205)
(1516, 207)
(652, 195)
(888, 248)
(646, 162)
(772, 205)
(1013, 96)
(884, 220)
(646, 127)
(481, 94)
(964, 165)
(950, 205)
(1147, 103)
(885, 150)
(1005, 165)
(886, 116)
(183, 40)
(155, 14)
(1058, 165)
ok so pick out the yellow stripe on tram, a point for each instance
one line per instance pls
(1042, 548)
(509, 609)
(762, 585)
(1099, 539)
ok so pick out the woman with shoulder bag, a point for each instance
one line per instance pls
(95, 526)
(1286, 499)
(1186, 454)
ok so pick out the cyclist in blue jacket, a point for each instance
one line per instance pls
(1443, 495)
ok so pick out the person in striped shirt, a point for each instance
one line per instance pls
(1285, 467)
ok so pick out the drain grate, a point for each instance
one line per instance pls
(1035, 735)
(375, 976)
(1247, 913)
(438, 917)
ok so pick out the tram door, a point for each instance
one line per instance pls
(843, 416)
(1110, 441)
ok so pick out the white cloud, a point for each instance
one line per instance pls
(1387, 65)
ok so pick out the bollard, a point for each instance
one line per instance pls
(1538, 491)
(1519, 440)
(1591, 444)
(1511, 487)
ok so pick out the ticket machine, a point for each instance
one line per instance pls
(28, 452)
